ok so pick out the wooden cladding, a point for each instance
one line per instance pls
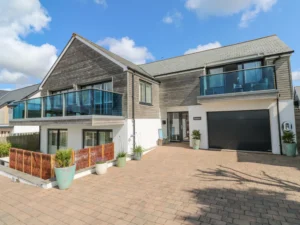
(42, 165)
(88, 156)
(33, 163)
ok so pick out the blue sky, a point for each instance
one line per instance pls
(149, 30)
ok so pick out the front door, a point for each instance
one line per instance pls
(178, 126)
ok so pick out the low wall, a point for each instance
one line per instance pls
(42, 165)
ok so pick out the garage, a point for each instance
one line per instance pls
(239, 130)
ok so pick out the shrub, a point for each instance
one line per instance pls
(63, 158)
(288, 137)
(4, 149)
(121, 155)
(138, 149)
(196, 134)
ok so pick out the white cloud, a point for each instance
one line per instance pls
(249, 8)
(20, 60)
(200, 48)
(101, 2)
(173, 17)
(296, 75)
(12, 78)
(126, 48)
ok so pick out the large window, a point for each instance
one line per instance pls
(105, 86)
(57, 139)
(96, 137)
(145, 92)
(62, 91)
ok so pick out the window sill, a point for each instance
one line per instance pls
(144, 103)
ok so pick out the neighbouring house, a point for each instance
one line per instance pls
(296, 96)
(237, 96)
(8, 98)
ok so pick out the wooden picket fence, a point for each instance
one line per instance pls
(42, 165)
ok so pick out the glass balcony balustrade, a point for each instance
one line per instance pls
(256, 79)
(77, 103)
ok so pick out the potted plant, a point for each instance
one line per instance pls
(196, 139)
(101, 166)
(290, 146)
(64, 170)
(121, 159)
(138, 152)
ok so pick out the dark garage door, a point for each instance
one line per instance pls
(240, 130)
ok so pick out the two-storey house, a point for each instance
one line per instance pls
(6, 100)
(237, 96)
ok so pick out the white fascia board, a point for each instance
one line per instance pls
(56, 62)
(102, 53)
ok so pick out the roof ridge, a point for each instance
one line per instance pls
(208, 50)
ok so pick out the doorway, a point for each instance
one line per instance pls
(178, 126)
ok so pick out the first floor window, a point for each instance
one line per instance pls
(96, 137)
(57, 139)
(105, 86)
(145, 92)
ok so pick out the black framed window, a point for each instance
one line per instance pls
(96, 137)
(57, 139)
(145, 92)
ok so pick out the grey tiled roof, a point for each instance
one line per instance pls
(3, 92)
(265, 46)
(18, 94)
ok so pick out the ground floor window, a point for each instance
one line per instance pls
(96, 137)
(57, 139)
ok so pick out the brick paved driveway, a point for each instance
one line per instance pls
(171, 185)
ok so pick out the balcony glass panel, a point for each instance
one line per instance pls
(19, 110)
(34, 108)
(77, 103)
(107, 103)
(53, 105)
(256, 79)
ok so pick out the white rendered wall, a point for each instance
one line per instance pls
(25, 129)
(146, 133)
(286, 111)
(36, 95)
(75, 138)
(287, 114)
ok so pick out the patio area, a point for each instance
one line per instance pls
(171, 185)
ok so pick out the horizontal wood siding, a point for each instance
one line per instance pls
(180, 90)
(283, 75)
(143, 111)
(82, 65)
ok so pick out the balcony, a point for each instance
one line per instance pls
(87, 105)
(253, 83)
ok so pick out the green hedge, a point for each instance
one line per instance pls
(4, 149)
